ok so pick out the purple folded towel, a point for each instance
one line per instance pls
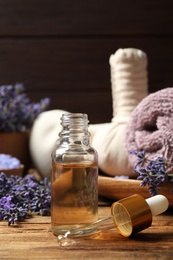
(150, 126)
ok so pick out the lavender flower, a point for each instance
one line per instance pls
(153, 173)
(22, 197)
(17, 112)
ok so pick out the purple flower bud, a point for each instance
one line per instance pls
(17, 112)
(153, 172)
(19, 197)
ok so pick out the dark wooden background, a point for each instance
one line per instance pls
(61, 49)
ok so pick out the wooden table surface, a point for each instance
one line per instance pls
(33, 239)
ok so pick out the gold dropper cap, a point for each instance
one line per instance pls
(131, 215)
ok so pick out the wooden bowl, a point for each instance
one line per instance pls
(117, 189)
(16, 171)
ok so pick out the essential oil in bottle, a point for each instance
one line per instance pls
(74, 176)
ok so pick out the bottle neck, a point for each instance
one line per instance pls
(75, 128)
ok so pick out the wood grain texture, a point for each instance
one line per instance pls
(61, 49)
(117, 189)
(33, 239)
(103, 17)
(77, 79)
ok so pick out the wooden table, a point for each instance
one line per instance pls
(33, 239)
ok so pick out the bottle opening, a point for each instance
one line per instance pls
(74, 123)
(122, 220)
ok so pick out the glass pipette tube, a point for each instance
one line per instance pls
(84, 231)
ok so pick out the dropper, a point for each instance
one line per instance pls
(129, 215)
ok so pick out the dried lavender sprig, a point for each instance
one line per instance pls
(22, 197)
(153, 172)
(17, 112)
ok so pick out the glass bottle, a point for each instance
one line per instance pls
(74, 176)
